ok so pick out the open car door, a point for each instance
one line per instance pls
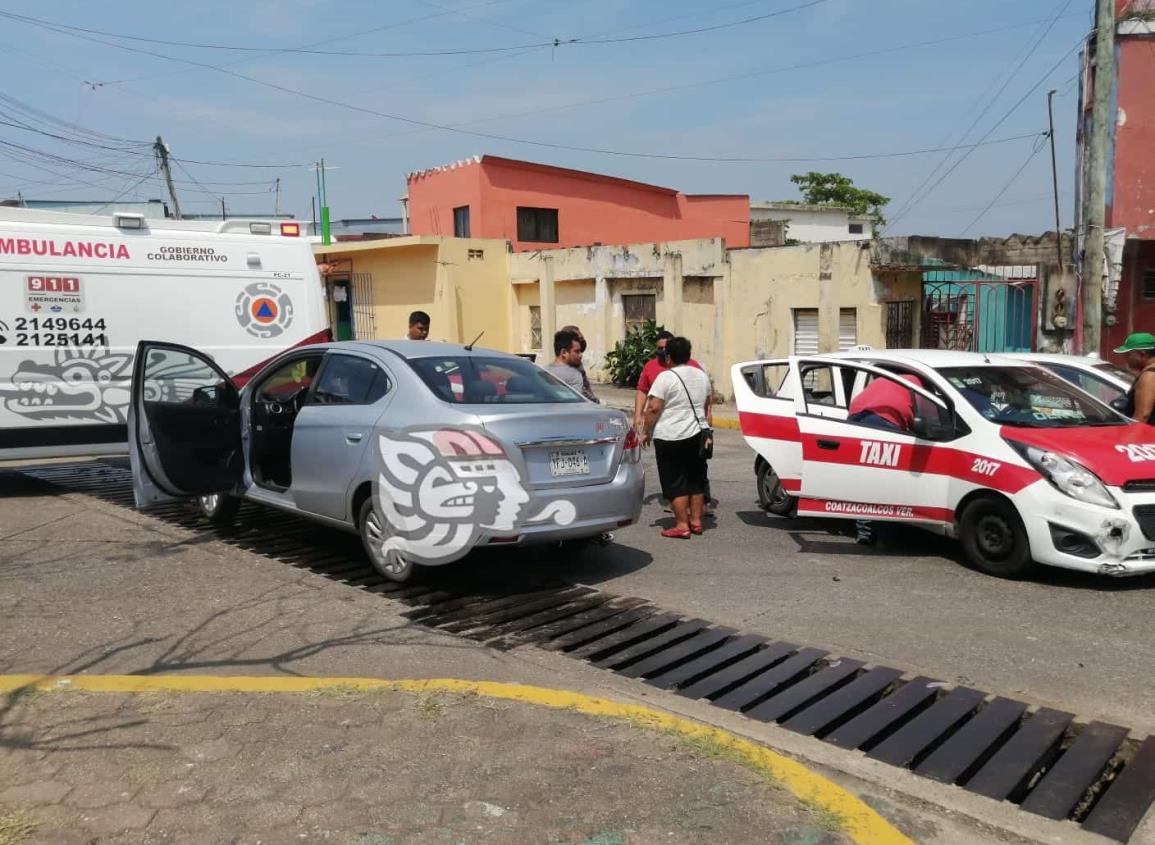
(858, 470)
(764, 398)
(184, 425)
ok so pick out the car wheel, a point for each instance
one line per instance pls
(218, 507)
(994, 539)
(771, 495)
(374, 531)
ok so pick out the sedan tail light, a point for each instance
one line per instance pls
(632, 446)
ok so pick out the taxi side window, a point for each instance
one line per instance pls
(939, 422)
(768, 380)
(818, 386)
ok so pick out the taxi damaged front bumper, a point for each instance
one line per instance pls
(1074, 535)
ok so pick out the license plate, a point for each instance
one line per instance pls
(570, 462)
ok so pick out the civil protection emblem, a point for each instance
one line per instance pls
(264, 310)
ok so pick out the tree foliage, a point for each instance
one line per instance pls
(836, 189)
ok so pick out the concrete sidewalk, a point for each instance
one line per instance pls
(370, 767)
(93, 591)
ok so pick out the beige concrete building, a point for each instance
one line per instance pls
(734, 305)
(463, 284)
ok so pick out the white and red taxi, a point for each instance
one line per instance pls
(1014, 461)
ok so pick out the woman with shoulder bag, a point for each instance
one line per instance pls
(674, 420)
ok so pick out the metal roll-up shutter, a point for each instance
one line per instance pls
(847, 329)
(805, 331)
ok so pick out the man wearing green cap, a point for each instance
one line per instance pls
(1139, 352)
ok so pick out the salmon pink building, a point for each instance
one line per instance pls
(538, 206)
(1129, 292)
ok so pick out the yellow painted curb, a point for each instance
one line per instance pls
(859, 820)
(733, 425)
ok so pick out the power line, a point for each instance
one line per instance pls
(996, 125)
(554, 42)
(486, 135)
(1034, 152)
(916, 197)
(666, 89)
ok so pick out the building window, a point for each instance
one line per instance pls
(639, 309)
(900, 324)
(856, 229)
(461, 222)
(806, 330)
(1149, 284)
(537, 225)
(535, 327)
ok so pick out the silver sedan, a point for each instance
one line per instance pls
(426, 450)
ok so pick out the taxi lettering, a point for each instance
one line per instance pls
(880, 454)
(1137, 453)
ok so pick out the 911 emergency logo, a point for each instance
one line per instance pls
(264, 310)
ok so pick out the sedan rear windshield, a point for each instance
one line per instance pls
(477, 380)
(1029, 397)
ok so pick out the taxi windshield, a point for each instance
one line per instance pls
(1029, 397)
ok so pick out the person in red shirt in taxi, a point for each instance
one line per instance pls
(882, 404)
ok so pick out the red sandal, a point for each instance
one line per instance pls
(696, 529)
(677, 533)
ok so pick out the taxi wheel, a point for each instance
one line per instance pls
(391, 565)
(771, 495)
(994, 538)
(218, 507)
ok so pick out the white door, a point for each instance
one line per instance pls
(765, 406)
(851, 469)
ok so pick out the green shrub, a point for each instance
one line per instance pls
(626, 360)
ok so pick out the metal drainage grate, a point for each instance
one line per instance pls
(1041, 759)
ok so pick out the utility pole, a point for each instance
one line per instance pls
(325, 239)
(277, 197)
(1055, 183)
(162, 160)
(1094, 254)
(224, 214)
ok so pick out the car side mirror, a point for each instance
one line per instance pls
(1120, 404)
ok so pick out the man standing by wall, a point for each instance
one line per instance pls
(566, 366)
(418, 326)
(586, 390)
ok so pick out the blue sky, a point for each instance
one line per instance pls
(655, 96)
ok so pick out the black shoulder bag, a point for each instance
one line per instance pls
(706, 444)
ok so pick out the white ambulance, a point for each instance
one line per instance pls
(78, 292)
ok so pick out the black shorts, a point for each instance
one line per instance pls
(681, 470)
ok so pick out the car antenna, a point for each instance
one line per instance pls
(469, 346)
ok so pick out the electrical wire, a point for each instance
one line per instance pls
(996, 125)
(1014, 178)
(486, 135)
(916, 196)
(666, 89)
(554, 42)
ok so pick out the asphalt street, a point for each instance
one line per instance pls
(1078, 642)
